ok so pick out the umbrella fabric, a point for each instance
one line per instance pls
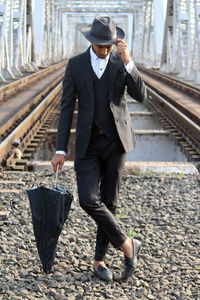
(49, 208)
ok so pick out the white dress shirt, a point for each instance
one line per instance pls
(99, 66)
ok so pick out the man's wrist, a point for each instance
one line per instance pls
(127, 60)
(61, 152)
(129, 66)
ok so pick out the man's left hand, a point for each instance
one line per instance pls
(123, 51)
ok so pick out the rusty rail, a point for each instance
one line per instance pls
(171, 81)
(34, 127)
(6, 128)
(18, 85)
(29, 129)
(182, 128)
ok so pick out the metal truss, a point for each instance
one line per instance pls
(98, 6)
(75, 42)
(181, 48)
(60, 30)
(64, 19)
(61, 37)
(143, 34)
(52, 45)
(16, 38)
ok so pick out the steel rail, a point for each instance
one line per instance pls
(191, 125)
(17, 86)
(23, 128)
(184, 86)
(27, 130)
(7, 127)
(188, 129)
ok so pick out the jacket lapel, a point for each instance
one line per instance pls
(86, 68)
(87, 73)
(114, 66)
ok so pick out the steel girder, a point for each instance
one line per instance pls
(139, 13)
(16, 42)
(144, 34)
(62, 21)
(99, 6)
(75, 40)
(52, 45)
(181, 48)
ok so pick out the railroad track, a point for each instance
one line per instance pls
(172, 111)
(15, 87)
(171, 81)
(30, 132)
(27, 95)
(27, 107)
(185, 97)
(33, 129)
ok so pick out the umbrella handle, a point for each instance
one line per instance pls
(56, 177)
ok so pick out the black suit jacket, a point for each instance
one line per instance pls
(78, 83)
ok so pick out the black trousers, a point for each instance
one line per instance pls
(98, 178)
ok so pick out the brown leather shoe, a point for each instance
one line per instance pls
(131, 263)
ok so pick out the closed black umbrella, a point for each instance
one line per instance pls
(50, 208)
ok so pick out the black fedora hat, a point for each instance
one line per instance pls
(103, 31)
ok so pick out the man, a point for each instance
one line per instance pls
(104, 133)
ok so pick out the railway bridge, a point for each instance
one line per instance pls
(161, 33)
(36, 39)
(159, 200)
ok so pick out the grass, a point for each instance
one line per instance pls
(121, 215)
(131, 233)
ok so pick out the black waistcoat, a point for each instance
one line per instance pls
(103, 117)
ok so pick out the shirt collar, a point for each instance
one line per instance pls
(94, 56)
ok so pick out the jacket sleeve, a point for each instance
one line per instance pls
(67, 109)
(135, 85)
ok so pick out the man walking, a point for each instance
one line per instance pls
(104, 134)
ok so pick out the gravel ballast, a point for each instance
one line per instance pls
(162, 211)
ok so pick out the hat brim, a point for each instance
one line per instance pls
(86, 32)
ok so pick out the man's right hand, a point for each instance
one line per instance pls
(58, 159)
